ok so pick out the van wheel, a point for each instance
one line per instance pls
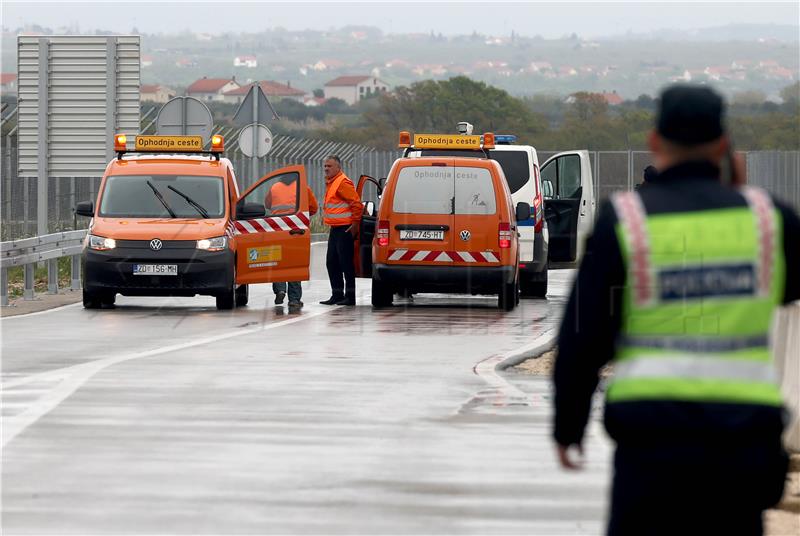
(382, 294)
(91, 300)
(242, 295)
(536, 285)
(108, 298)
(507, 299)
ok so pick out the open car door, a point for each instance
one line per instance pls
(569, 206)
(271, 229)
(362, 255)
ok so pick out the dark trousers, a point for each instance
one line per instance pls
(695, 489)
(339, 262)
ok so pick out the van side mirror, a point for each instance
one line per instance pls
(85, 208)
(249, 211)
(523, 211)
(382, 185)
(547, 189)
(369, 208)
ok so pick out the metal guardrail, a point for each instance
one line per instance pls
(27, 252)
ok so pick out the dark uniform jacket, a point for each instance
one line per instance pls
(592, 322)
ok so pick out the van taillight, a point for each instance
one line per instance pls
(504, 235)
(537, 226)
(383, 233)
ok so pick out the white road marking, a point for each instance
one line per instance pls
(77, 375)
(28, 315)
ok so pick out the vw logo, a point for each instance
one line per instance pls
(156, 244)
(464, 235)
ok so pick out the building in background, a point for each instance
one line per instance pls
(352, 89)
(245, 61)
(211, 89)
(274, 91)
(8, 83)
(155, 93)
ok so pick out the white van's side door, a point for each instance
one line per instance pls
(570, 207)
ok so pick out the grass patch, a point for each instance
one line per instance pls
(16, 277)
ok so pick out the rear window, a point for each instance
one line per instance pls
(515, 164)
(424, 190)
(474, 191)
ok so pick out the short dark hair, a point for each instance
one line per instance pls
(335, 158)
(650, 173)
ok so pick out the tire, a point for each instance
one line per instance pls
(382, 294)
(91, 300)
(242, 295)
(535, 286)
(507, 299)
(108, 298)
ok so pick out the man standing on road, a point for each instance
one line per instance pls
(678, 286)
(282, 199)
(342, 212)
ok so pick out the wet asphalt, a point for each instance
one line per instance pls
(166, 416)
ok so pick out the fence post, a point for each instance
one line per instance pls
(76, 272)
(3, 286)
(27, 293)
(52, 276)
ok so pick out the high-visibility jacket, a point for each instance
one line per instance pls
(282, 199)
(701, 290)
(341, 205)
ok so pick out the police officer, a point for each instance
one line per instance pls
(648, 176)
(678, 286)
(342, 210)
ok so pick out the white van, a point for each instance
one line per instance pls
(569, 205)
(520, 165)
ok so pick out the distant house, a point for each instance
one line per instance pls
(211, 89)
(185, 62)
(275, 91)
(147, 61)
(8, 83)
(245, 61)
(613, 99)
(352, 89)
(155, 93)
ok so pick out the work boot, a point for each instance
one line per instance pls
(347, 300)
(295, 304)
(332, 300)
(279, 296)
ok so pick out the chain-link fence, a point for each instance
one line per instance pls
(778, 171)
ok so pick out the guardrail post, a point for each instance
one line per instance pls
(52, 276)
(76, 272)
(3, 286)
(27, 293)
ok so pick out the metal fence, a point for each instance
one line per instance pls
(778, 171)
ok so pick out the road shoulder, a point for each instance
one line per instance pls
(41, 302)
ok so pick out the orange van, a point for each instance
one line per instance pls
(173, 223)
(446, 224)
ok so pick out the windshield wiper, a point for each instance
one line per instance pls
(197, 206)
(161, 198)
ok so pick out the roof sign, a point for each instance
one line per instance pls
(160, 144)
(446, 141)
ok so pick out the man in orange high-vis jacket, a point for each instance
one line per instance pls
(342, 210)
(282, 199)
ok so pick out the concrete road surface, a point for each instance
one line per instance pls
(166, 416)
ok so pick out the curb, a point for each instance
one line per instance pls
(536, 348)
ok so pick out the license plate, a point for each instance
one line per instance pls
(155, 269)
(421, 235)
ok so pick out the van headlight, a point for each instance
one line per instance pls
(213, 244)
(101, 243)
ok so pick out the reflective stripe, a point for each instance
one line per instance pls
(696, 367)
(341, 215)
(696, 344)
(761, 205)
(337, 205)
(633, 219)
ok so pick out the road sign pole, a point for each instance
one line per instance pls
(43, 127)
(256, 87)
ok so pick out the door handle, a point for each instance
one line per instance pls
(297, 231)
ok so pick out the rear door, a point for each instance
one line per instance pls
(570, 208)
(363, 245)
(476, 217)
(421, 222)
(276, 244)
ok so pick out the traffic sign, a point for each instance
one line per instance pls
(259, 112)
(185, 116)
(262, 138)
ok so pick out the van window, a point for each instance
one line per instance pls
(569, 176)
(515, 164)
(474, 191)
(424, 190)
(132, 196)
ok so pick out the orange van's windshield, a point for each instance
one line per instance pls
(162, 196)
(444, 190)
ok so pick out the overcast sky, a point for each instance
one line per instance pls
(487, 17)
